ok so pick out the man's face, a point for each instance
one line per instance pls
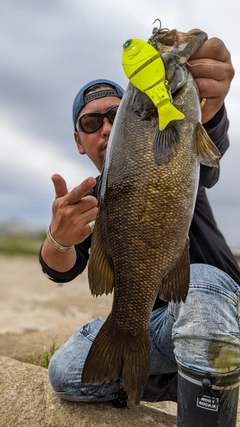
(95, 144)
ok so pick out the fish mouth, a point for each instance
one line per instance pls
(167, 37)
(185, 37)
(175, 37)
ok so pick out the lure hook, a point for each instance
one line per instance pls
(157, 30)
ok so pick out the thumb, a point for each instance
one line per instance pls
(59, 185)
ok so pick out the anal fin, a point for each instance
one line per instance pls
(176, 283)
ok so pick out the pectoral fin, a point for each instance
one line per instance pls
(165, 143)
(207, 150)
(100, 273)
(176, 283)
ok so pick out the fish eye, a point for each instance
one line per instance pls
(127, 43)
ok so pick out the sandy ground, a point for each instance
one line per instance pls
(36, 313)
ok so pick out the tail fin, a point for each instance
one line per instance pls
(116, 356)
(166, 113)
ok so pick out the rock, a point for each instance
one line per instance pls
(26, 400)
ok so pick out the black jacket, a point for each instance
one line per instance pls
(207, 244)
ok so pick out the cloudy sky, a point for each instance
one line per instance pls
(48, 50)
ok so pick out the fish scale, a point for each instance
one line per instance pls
(140, 245)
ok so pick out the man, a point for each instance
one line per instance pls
(196, 344)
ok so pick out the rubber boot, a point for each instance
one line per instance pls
(207, 401)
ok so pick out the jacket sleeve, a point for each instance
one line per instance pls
(81, 262)
(217, 129)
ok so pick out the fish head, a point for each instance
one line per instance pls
(167, 37)
(165, 40)
(175, 48)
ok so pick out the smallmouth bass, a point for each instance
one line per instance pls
(140, 245)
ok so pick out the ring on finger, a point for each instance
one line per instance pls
(203, 102)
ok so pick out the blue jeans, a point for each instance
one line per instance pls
(202, 334)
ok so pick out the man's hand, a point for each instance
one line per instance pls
(212, 69)
(72, 211)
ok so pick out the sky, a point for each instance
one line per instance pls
(49, 49)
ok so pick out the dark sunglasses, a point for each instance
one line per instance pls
(91, 122)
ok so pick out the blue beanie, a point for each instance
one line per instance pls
(81, 100)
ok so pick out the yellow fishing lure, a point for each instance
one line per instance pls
(145, 69)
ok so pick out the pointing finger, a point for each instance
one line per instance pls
(59, 185)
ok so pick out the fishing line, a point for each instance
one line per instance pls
(184, 61)
(204, 63)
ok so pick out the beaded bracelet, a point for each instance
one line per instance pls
(57, 245)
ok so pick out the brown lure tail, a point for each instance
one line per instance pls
(127, 359)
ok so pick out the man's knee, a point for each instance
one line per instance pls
(206, 331)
